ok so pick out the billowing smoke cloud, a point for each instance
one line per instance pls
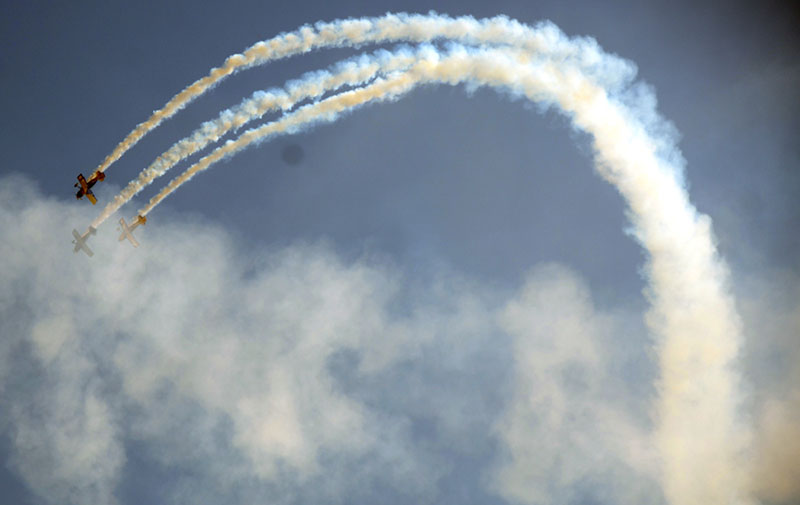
(291, 376)
(562, 343)
(776, 475)
(116, 371)
(770, 306)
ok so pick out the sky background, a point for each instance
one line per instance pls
(437, 302)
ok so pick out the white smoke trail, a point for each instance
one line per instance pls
(325, 110)
(357, 32)
(700, 437)
(351, 72)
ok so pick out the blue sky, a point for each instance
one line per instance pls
(441, 301)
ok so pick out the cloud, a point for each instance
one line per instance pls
(770, 308)
(565, 425)
(777, 472)
(60, 419)
(196, 370)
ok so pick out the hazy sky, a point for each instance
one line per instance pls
(430, 301)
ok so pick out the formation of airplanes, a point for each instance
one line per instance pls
(85, 189)
(81, 240)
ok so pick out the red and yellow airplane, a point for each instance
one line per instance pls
(126, 230)
(85, 187)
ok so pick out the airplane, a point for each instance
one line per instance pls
(126, 230)
(85, 187)
(80, 241)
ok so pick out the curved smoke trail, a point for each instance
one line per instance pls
(357, 32)
(700, 437)
(326, 110)
(352, 72)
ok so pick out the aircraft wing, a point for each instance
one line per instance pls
(83, 184)
(91, 197)
(82, 187)
(78, 240)
(133, 240)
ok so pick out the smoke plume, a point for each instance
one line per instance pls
(702, 440)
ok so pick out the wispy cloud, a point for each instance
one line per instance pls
(294, 374)
(567, 427)
(234, 375)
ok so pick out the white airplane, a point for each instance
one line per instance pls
(127, 230)
(80, 241)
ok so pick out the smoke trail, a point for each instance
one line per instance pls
(353, 72)
(699, 435)
(429, 67)
(326, 110)
(356, 32)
